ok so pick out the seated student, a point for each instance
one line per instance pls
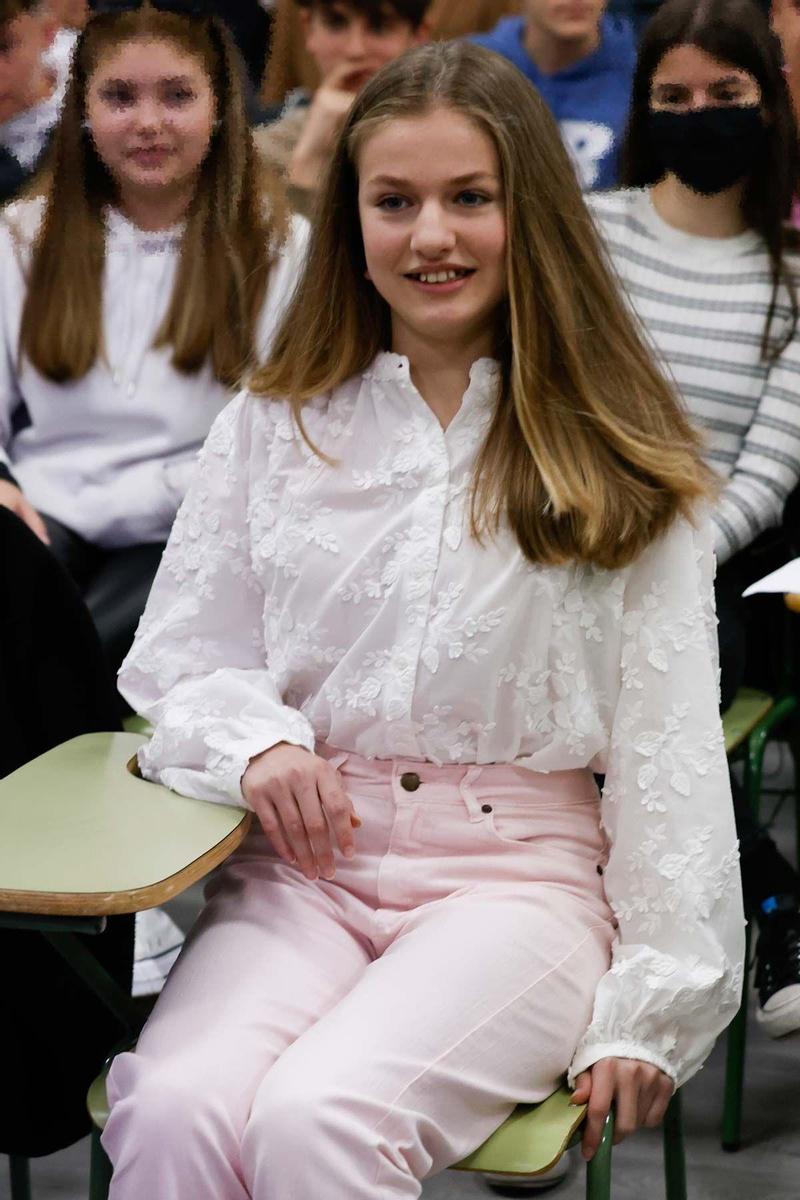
(414, 593)
(349, 40)
(136, 291)
(291, 66)
(700, 242)
(581, 59)
(32, 86)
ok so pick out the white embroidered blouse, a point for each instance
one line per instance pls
(298, 602)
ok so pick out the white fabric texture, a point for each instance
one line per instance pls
(298, 601)
(111, 455)
(703, 304)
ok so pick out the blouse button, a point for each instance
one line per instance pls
(599, 869)
(486, 808)
(410, 781)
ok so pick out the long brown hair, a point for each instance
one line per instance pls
(589, 455)
(734, 32)
(235, 223)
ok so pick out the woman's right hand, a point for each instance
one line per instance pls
(11, 497)
(300, 802)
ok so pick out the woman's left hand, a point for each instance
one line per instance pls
(639, 1092)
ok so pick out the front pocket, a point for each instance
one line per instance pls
(520, 823)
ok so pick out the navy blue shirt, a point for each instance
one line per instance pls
(589, 100)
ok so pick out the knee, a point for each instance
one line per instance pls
(290, 1117)
(153, 1102)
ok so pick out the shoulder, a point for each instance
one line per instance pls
(20, 220)
(618, 205)
(294, 246)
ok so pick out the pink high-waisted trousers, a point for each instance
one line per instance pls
(343, 1040)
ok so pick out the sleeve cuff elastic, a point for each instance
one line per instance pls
(589, 1055)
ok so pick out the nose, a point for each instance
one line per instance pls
(149, 114)
(356, 40)
(432, 236)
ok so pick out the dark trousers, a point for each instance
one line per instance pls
(765, 872)
(114, 585)
(54, 685)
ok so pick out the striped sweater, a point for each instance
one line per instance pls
(703, 301)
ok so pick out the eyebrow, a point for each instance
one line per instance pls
(459, 180)
(170, 79)
(729, 79)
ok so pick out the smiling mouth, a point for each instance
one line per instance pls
(448, 276)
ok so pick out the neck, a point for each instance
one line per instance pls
(718, 216)
(156, 211)
(552, 54)
(440, 370)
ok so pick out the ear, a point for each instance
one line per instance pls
(423, 32)
(304, 23)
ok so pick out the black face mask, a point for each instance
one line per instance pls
(709, 149)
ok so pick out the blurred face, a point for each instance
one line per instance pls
(687, 78)
(565, 20)
(151, 108)
(340, 37)
(23, 40)
(433, 222)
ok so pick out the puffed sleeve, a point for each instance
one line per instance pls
(673, 877)
(198, 669)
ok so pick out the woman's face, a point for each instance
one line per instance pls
(687, 78)
(150, 107)
(433, 222)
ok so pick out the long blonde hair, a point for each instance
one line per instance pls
(589, 455)
(235, 223)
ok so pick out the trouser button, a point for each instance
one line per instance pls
(410, 781)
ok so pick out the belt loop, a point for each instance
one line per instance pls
(467, 794)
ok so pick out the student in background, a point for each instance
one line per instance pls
(291, 66)
(133, 295)
(349, 40)
(32, 87)
(700, 240)
(581, 59)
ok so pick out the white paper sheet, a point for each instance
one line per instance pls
(785, 579)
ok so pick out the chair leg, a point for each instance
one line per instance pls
(100, 1170)
(598, 1171)
(674, 1155)
(20, 1171)
(734, 1064)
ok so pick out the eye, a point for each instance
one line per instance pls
(392, 203)
(470, 199)
(117, 95)
(727, 95)
(179, 95)
(670, 96)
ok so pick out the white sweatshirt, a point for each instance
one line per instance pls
(111, 455)
(300, 602)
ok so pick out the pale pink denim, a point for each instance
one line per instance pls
(343, 1040)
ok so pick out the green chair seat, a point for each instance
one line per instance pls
(135, 724)
(531, 1140)
(97, 1100)
(738, 722)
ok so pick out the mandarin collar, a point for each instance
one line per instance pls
(122, 232)
(484, 377)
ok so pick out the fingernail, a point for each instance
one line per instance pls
(328, 874)
(349, 852)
